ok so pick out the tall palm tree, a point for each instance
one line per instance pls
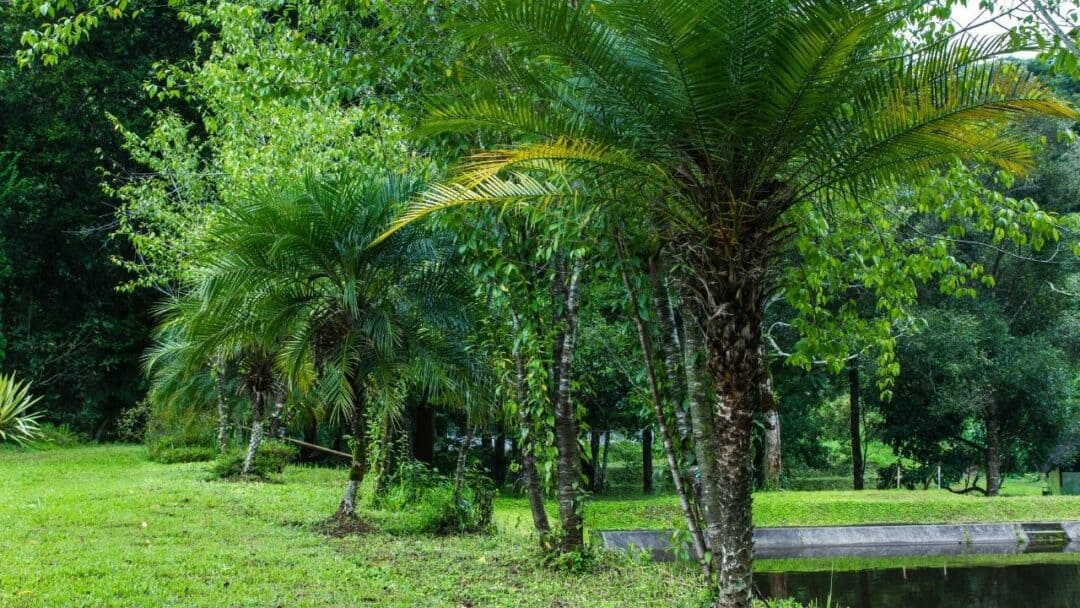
(358, 319)
(712, 119)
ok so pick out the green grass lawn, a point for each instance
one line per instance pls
(101, 526)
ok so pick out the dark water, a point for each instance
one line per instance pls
(1019, 586)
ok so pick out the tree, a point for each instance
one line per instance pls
(64, 324)
(358, 321)
(714, 121)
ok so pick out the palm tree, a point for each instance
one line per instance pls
(712, 119)
(196, 344)
(358, 319)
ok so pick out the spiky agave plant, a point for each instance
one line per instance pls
(17, 423)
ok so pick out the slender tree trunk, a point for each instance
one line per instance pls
(594, 461)
(463, 456)
(671, 348)
(771, 448)
(424, 433)
(699, 405)
(566, 426)
(311, 435)
(603, 468)
(674, 371)
(258, 413)
(857, 467)
(732, 297)
(646, 460)
(386, 446)
(993, 447)
(530, 475)
(357, 426)
(498, 458)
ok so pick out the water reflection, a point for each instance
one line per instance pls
(1021, 586)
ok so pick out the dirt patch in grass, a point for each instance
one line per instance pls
(342, 526)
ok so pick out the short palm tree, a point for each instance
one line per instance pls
(358, 319)
(195, 342)
(17, 423)
(712, 119)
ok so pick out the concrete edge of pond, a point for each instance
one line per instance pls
(872, 540)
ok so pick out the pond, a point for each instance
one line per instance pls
(953, 584)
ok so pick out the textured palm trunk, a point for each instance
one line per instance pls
(462, 459)
(530, 475)
(357, 427)
(730, 316)
(222, 413)
(857, 466)
(258, 413)
(568, 462)
(253, 446)
(993, 447)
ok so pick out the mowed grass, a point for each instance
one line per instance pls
(101, 526)
(1021, 502)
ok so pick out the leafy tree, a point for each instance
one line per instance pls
(358, 321)
(719, 134)
(64, 324)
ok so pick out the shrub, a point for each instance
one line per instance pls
(190, 453)
(425, 499)
(271, 459)
(17, 423)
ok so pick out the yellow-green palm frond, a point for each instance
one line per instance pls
(571, 170)
(913, 119)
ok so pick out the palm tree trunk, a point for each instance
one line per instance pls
(731, 315)
(568, 462)
(222, 412)
(463, 456)
(357, 426)
(258, 412)
(530, 475)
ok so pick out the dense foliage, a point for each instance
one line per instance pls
(457, 246)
